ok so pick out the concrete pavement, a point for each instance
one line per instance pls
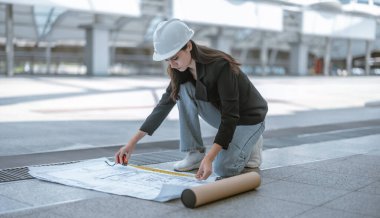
(321, 158)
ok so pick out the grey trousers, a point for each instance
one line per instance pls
(229, 162)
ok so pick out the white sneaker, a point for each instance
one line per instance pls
(192, 161)
(255, 159)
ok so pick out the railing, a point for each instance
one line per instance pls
(72, 63)
(36, 62)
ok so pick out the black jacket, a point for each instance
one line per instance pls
(233, 94)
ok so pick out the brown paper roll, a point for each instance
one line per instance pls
(200, 195)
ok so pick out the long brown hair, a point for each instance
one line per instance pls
(203, 55)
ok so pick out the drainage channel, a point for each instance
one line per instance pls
(21, 173)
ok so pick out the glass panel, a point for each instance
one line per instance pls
(45, 17)
(345, 1)
(362, 1)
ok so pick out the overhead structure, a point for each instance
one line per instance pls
(296, 31)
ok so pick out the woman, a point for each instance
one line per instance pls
(208, 83)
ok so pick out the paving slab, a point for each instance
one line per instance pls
(36, 213)
(282, 173)
(249, 204)
(266, 180)
(114, 206)
(300, 193)
(324, 212)
(274, 198)
(331, 180)
(274, 158)
(374, 152)
(364, 160)
(358, 202)
(325, 150)
(345, 166)
(7, 204)
(373, 188)
(34, 193)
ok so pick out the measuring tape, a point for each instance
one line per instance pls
(161, 171)
(152, 169)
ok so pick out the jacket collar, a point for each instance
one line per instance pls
(201, 70)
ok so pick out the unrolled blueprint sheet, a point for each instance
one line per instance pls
(95, 174)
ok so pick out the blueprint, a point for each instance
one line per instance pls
(131, 181)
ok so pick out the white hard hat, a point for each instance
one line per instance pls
(169, 37)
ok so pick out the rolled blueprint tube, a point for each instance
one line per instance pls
(204, 194)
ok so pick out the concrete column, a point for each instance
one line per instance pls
(368, 48)
(264, 57)
(112, 55)
(349, 57)
(48, 58)
(243, 55)
(97, 50)
(272, 59)
(221, 42)
(224, 44)
(327, 58)
(298, 59)
(9, 50)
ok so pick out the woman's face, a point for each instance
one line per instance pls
(182, 60)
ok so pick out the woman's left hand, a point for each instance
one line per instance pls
(205, 169)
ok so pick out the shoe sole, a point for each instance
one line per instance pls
(252, 165)
(190, 168)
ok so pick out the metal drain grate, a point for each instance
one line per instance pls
(14, 174)
(155, 158)
(21, 173)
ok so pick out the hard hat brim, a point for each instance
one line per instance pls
(161, 57)
(158, 57)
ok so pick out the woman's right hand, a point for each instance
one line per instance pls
(124, 153)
